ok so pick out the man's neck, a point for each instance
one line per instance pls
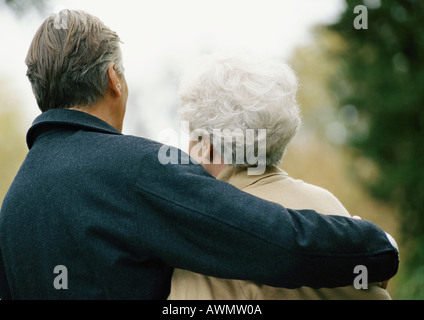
(105, 112)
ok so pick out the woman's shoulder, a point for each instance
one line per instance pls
(297, 194)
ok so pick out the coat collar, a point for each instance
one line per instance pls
(66, 118)
(238, 176)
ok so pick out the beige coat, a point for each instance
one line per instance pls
(274, 185)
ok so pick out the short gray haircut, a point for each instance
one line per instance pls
(68, 60)
(244, 92)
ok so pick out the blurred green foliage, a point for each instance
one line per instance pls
(381, 75)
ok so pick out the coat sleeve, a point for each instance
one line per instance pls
(4, 286)
(192, 221)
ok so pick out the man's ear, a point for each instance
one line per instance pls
(114, 82)
(201, 151)
(207, 151)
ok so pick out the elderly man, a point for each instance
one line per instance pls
(93, 214)
(222, 98)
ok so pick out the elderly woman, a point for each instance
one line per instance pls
(235, 104)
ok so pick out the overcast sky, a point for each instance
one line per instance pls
(163, 35)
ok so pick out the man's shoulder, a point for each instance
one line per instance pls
(132, 143)
(132, 147)
(150, 158)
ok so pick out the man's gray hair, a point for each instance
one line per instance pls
(231, 92)
(68, 60)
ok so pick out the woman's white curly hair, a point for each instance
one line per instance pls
(242, 92)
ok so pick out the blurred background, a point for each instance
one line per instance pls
(361, 94)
